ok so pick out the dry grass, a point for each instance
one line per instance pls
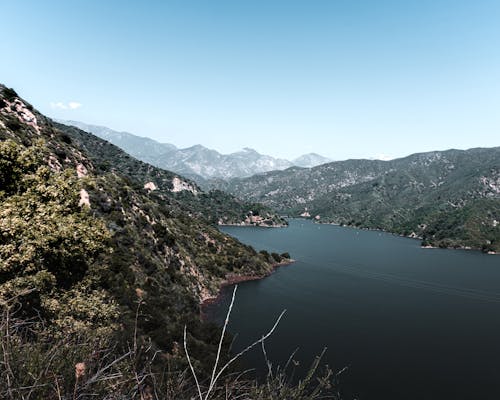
(36, 366)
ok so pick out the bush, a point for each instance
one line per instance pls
(65, 138)
(276, 257)
(10, 94)
(13, 125)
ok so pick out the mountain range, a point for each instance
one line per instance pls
(447, 198)
(197, 162)
(105, 259)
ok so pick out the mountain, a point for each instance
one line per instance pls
(215, 206)
(196, 162)
(447, 198)
(104, 260)
(310, 160)
(142, 148)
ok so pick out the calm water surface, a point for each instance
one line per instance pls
(410, 323)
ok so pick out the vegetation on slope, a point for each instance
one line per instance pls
(98, 272)
(215, 206)
(449, 199)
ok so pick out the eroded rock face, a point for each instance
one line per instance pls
(150, 186)
(54, 163)
(84, 199)
(178, 185)
(491, 183)
(81, 170)
(22, 112)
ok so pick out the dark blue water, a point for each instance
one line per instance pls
(410, 323)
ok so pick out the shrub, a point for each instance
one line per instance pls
(10, 94)
(13, 125)
(276, 257)
(65, 138)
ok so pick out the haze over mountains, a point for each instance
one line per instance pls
(447, 198)
(198, 162)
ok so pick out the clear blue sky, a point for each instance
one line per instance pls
(343, 78)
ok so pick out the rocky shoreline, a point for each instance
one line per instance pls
(261, 225)
(232, 279)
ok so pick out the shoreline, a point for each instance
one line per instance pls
(414, 237)
(233, 279)
(408, 237)
(244, 225)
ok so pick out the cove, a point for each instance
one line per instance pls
(408, 322)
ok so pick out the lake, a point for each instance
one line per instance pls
(408, 322)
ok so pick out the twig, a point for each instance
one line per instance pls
(216, 375)
(250, 346)
(58, 389)
(290, 359)
(135, 325)
(6, 352)
(191, 365)
(212, 380)
(101, 371)
(268, 363)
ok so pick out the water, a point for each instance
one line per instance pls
(410, 323)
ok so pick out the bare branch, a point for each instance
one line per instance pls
(212, 380)
(191, 365)
(101, 371)
(268, 363)
(250, 346)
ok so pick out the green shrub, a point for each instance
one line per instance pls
(276, 257)
(9, 93)
(13, 125)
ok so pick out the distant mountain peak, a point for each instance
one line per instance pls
(310, 160)
(196, 147)
(197, 162)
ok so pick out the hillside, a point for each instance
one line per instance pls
(196, 162)
(215, 206)
(97, 265)
(447, 198)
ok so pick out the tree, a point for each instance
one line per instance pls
(48, 244)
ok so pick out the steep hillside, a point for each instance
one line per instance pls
(215, 206)
(449, 198)
(93, 261)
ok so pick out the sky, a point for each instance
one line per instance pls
(343, 78)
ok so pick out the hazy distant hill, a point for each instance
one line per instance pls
(143, 148)
(310, 160)
(448, 198)
(196, 162)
